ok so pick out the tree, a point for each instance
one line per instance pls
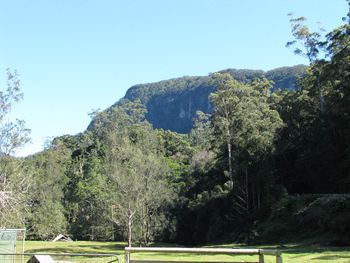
(201, 132)
(86, 190)
(314, 145)
(47, 214)
(225, 99)
(141, 192)
(13, 134)
(309, 44)
(244, 121)
(137, 173)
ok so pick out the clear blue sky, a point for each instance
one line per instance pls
(77, 55)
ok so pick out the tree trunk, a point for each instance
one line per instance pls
(142, 231)
(247, 187)
(129, 232)
(148, 222)
(321, 98)
(229, 150)
(253, 196)
(130, 214)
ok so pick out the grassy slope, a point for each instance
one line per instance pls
(291, 253)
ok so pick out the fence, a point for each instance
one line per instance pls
(11, 241)
(259, 252)
(58, 258)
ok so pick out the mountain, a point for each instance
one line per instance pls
(172, 104)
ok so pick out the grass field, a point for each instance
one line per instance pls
(291, 253)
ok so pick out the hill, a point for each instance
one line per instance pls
(172, 104)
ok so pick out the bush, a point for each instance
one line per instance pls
(308, 216)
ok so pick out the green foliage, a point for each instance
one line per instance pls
(306, 216)
(138, 175)
(47, 218)
(286, 78)
(243, 115)
(313, 150)
(246, 125)
(86, 191)
(310, 43)
(202, 134)
(13, 134)
(176, 146)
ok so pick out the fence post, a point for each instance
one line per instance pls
(261, 258)
(127, 257)
(278, 257)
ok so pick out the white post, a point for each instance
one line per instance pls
(127, 257)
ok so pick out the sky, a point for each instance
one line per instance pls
(76, 56)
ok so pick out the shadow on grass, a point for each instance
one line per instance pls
(191, 257)
(311, 249)
(71, 251)
(331, 257)
(78, 248)
(109, 246)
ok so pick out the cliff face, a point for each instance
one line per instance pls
(172, 104)
(175, 111)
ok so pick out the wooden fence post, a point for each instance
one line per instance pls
(261, 258)
(127, 257)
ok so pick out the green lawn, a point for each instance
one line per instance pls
(291, 253)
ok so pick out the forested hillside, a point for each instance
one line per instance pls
(172, 104)
(259, 163)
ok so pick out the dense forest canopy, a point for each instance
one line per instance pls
(260, 157)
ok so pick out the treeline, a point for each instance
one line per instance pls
(262, 164)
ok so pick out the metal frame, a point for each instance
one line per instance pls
(260, 252)
(22, 230)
